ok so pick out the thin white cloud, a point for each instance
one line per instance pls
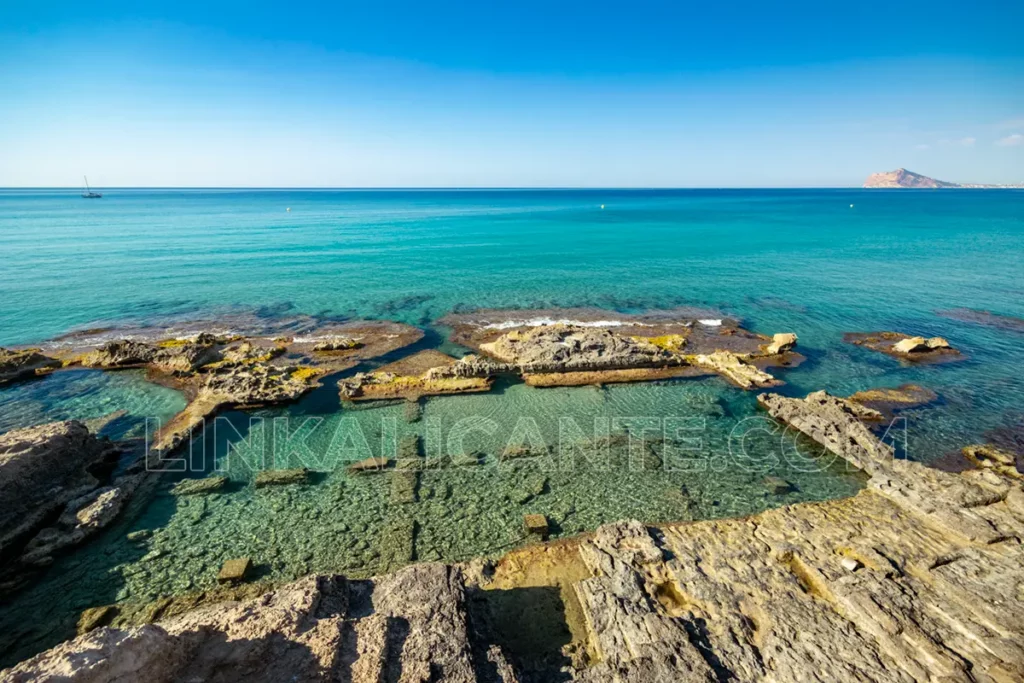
(1014, 140)
(962, 142)
(922, 147)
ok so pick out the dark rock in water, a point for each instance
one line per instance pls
(405, 486)
(234, 571)
(281, 477)
(778, 486)
(192, 487)
(140, 535)
(23, 364)
(905, 346)
(994, 320)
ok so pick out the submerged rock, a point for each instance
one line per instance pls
(281, 477)
(193, 487)
(234, 571)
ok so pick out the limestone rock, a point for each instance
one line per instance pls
(835, 423)
(336, 343)
(41, 470)
(16, 365)
(234, 570)
(260, 383)
(562, 348)
(731, 366)
(121, 353)
(781, 342)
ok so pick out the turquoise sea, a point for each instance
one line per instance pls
(816, 262)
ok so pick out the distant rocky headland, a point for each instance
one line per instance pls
(902, 178)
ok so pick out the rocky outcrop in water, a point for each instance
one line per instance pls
(732, 367)
(119, 354)
(563, 348)
(905, 346)
(24, 364)
(260, 383)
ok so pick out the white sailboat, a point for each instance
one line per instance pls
(87, 193)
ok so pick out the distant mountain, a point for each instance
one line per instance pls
(901, 177)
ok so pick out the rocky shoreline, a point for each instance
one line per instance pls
(917, 578)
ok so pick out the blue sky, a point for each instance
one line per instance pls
(468, 94)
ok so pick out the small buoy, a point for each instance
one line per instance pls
(851, 206)
(290, 208)
(602, 206)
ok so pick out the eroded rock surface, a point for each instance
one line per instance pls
(23, 364)
(407, 626)
(41, 470)
(905, 346)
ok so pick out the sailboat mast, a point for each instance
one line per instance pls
(86, 183)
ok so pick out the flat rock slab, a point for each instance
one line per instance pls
(194, 487)
(234, 570)
(281, 477)
(536, 525)
(370, 465)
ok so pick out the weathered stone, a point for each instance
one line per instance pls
(781, 343)
(835, 423)
(124, 352)
(41, 470)
(336, 343)
(281, 477)
(23, 364)
(732, 367)
(192, 487)
(235, 570)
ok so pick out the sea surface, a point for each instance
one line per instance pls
(816, 262)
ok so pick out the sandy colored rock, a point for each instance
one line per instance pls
(372, 464)
(732, 367)
(781, 343)
(536, 524)
(23, 364)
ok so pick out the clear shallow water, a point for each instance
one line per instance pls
(801, 261)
